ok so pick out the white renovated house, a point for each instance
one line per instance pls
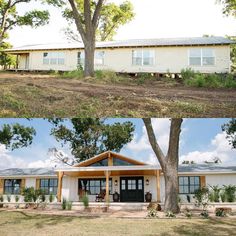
(114, 173)
(203, 54)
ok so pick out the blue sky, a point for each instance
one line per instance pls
(153, 19)
(201, 139)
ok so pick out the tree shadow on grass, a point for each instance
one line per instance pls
(207, 227)
(39, 220)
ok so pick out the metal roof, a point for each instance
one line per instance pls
(161, 42)
(28, 172)
(207, 168)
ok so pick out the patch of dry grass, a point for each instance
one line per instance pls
(20, 223)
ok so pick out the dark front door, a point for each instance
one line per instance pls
(131, 189)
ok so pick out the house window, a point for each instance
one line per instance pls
(201, 57)
(189, 184)
(12, 186)
(53, 58)
(98, 58)
(94, 186)
(49, 186)
(143, 57)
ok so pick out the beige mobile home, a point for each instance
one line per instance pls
(203, 54)
(120, 178)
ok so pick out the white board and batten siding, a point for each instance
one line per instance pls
(166, 59)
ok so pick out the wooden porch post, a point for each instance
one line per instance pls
(107, 186)
(59, 187)
(158, 186)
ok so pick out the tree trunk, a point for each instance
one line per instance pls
(171, 189)
(89, 50)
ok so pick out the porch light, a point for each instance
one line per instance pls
(147, 181)
(116, 182)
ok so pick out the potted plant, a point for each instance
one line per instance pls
(116, 197)
(148, 196)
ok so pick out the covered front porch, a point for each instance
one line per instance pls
(110, 183)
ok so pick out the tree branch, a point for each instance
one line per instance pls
(152, 139)
(173, 150)
(97, 13)
(87, 17)
(77, 19)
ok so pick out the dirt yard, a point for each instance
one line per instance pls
(36, 95)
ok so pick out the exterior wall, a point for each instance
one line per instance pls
(30, 182)
(220, 180)
(167, 59)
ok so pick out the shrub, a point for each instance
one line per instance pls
(170, 214)
(74, 74)
(69, 205)
(8, 198)
(220, 212)
(1, 198)
(63, 205)
(17, 198)
(51, 198)
(214, 195)
(201, 197)
(188, 213)
(230, 192)
(152, 213)
(85, 200)
(204, 214)
(31, 195)
(229, 81)
(187, 74)
(43, 197)
(223, 196)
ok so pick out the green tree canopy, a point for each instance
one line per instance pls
(6, 60)
(16, 136)
(90, 136)
(230, 129)
(111, 18)
(9, 17)
(229, 7)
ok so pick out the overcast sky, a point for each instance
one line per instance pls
(201, 140)
(154, 19)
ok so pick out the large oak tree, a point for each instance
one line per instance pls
(86, 14)
(230, 129)
(169, 163)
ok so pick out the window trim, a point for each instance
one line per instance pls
(12, 187)
(201, 50)
(48, 186)
(81, 60)
(142, 50)
(189, 192)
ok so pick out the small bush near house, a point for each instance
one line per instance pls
(74, 74)
(63, 205)
(204, 214)
(31, 195)
(1, 198)
(195, 79)
(223, 196)
(214, 195)
(17, 198)
(230, 191)
(85, 200)
(51, 198)
(187, 74)
(43, 197)
(170, 214)
(202, 197)
(152, 213)
(8, 198)
(220, 212)
(69, 205)
(188, 213)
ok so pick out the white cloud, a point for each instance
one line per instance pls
(9, 161)
(219, 148)
(161, 129)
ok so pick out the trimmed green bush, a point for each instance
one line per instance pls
(187, 74)
(85, 200)
(17, 198)
(69, 205)
(1, 198)
(51, 198)
(64, 203)
(8, 198)
(230, 191)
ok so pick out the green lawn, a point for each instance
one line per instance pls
(20, 223)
